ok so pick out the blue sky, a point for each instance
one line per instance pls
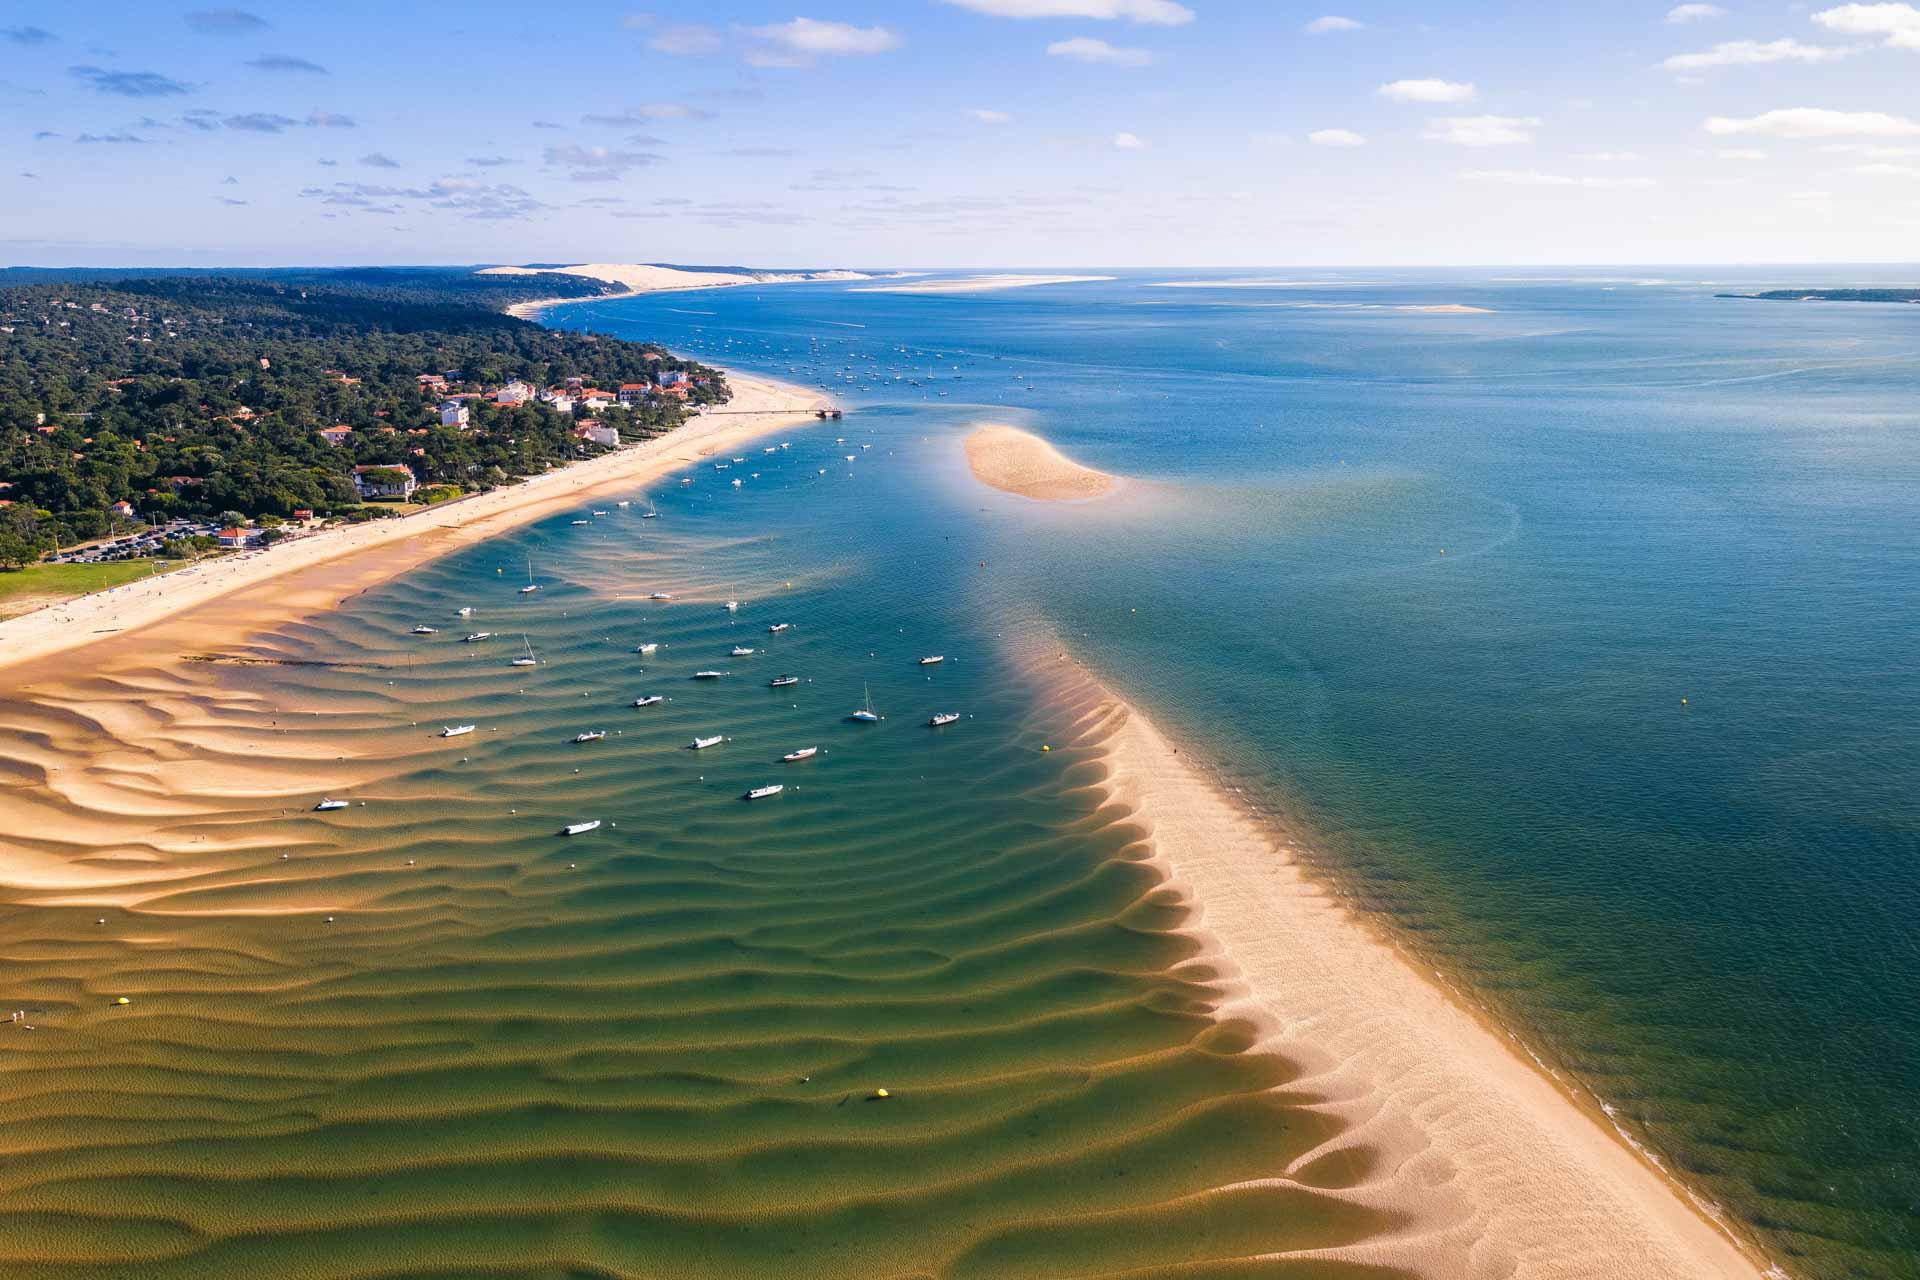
(959, 132)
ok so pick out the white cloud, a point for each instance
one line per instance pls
(802, 38)
(1159, 13)
(1128, 142)
(1332, 22)
(1087, 49)
(1871, 150)
(1611, 157)
(984, 116)
(1899, 23)
(1694, 13)
(1336, 138)
(1427, 91)
(1885, 169)
(686, 40)
(1815, 122)
(1482, 131)
(1534, 178)
(1752, 155)
(1753, 53)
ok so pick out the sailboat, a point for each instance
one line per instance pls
(527, 659)
(866, 714)
(531, 586)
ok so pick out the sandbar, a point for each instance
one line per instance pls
(1022, 463)
(979, 284)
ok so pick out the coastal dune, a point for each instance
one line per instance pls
(1488, 1167)
(1020, 462)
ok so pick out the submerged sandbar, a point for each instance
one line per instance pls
(1024, 464)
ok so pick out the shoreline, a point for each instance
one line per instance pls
(759, 405)
(1497, 1167)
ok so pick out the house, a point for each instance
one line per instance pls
(303, 513)
(177, 483)
(514, 393)
(678, 391)
(234, 539)
(598, 432)
(335, 435)
(633, 392)
(377, 480)
(453, 413)
(595, 400)
(122, 508)
(672, 378)
(432, 382)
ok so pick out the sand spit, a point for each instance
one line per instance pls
(640, 277)
(979, 284)
(1020, 463)
(759, 405)
(1496, 1171)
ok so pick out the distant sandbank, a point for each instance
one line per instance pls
(642, 277)
(1490, 1169)
(979, 284)
(1021, 463)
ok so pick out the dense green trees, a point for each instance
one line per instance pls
(195, 395)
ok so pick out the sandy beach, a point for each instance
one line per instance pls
(639, 277)
(980, 284)
(1497, 1169)
(1019, 462)
(759, 405)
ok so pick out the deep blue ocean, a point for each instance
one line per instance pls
(1581, 632)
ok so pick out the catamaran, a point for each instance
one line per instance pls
(933, 660)
(778, 627)
(781, 682)
(456, 730)
(701, 744)
(708, 675)
(804, 753)
(526, 659)
(866, 713)
(648, 647)
(424, 630)
(591, 735)
(943, 717)
(325, 805)
(531, 586)
(580, 828)
(742, 651)
(648, 701)
(761, 793)
(479, 635)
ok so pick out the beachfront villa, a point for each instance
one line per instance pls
(598, 432)
(233, 539)
(384, 480)
(453, 413)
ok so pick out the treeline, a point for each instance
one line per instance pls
(196, 395)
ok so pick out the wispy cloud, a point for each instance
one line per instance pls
(1427, 91)
(1535, 178)
(117, 137)
(1482, 131)
(286, 62)
(986, 116)
(467, 197)
(260, 122)
(686, 40)
(1754, 53)
(489, 162)
(1815, 122)
(1336, 138)
(130, 84)
(1679, 15)
(1128, 142)
(27, 35)
(597, 164)
(797, 42)
(1898, 23)
(330, 120)
(1331, 23)
(379, 160)
(1160, 13)
(1746, 155)
(649, 113)
(226, 22)
(1088, 49)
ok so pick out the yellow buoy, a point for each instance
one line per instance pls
(1046, 748)
(123, 1000)
(880, 1094)
(1683, 702)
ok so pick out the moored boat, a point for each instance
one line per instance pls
(648, 700)
(479, 635)
(590, 735)
(742, 651)
(778, 627)
(708, 675)
(804, 753)
(580, 828)
(781, 682)
(424, 630)
(761, 793)
(943, 717)
(866, 714)
(456, 730)
(701, 744)
(325, 805)
(933, 660)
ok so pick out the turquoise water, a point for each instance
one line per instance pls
(1581, 633)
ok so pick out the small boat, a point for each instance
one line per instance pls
(721, 466)
(580, 828)
(325, 805)
(866, 713)
(933, 660)
(424, 630)
(650, 513)
(623, 504)
(479, 635)
(708, 675)
(739, 459)
(583, 522)
(531, 586)
(741, 651)
(591, 735)
(466, 611)
(660, 595)
(601, 513)
(648, 701)
(732, 606)
(804, 753)
(943, 717)
(736, 484)
(761, 793)
(648, 647)
(701, 744)
(686, 479)
(778, 627)
(526, 659)
(456, 730)
(781, 682)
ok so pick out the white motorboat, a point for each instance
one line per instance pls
(648, 647)
(325, 805)
(583, 522)
(479, 635)
(741, 651)
(601, 513)
(623, 503)
(761, 793)
(591, 735)
(736, 484)
(781, 682)
(466, 611)
(934, 660)
(804, 753)
(424, 630)
(648, 701)
(866, 714)
(943, 717)
(456, 731)
(580, 828)
(660, 595)
(701, 744)
(778, 627)
(708, 675)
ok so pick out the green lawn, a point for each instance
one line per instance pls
(39, 585)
